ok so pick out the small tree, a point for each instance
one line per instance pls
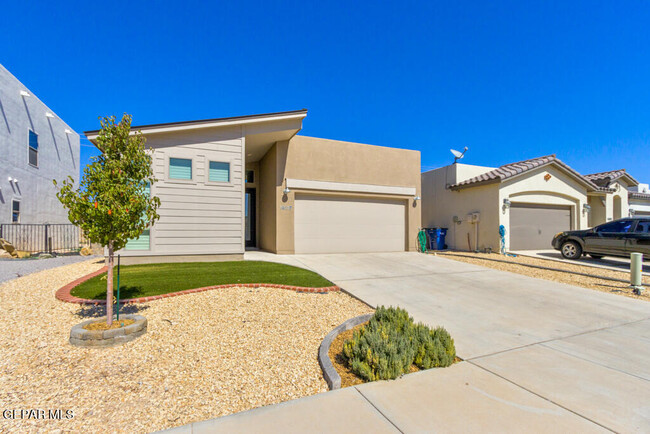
(111, 204)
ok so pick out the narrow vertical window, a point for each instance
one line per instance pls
(143, 242)
(15, 211)
(33, 148)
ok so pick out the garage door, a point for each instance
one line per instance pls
(532, 227)
(327, 224)
(641, 213)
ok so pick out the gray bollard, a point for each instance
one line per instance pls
(636, 265)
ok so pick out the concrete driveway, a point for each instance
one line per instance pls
(608, 262)
(539, 355)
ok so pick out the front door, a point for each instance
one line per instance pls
(250, 230)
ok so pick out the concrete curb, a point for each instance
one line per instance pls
(332, 377)
(64, 293)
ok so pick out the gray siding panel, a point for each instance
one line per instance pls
(197, 216)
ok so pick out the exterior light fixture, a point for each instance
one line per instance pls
(49, 115)
(586, 208)
(632, 212)
(286, 190)
(417, 198)
(506, 203)
(24, 93)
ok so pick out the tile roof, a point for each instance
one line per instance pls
(513, 169)
(637, 195)
(604, 179)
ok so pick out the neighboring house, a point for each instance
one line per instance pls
(532, 199)
(250, 182)
(35, 147)
(610, 201)
(639, 199)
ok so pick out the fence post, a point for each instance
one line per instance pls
(46, 237)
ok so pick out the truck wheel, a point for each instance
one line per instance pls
(571, 250)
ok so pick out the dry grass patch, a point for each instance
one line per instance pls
(204, 355)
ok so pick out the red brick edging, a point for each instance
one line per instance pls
(64, 294)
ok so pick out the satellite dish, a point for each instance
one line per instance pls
(457, 154)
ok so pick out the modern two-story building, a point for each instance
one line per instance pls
(229, 184)
(36, 146)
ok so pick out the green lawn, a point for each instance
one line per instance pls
(155, 279)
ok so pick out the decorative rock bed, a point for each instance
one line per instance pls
(332, 377)
(81, 337)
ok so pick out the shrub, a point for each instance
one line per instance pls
(391, 342)
(435, 348)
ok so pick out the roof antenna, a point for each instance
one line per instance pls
(458, 155)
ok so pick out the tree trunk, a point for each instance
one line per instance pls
(109, 286)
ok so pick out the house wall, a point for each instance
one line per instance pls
(267, 192)
(536, 187)
(197, 217)
(440, 205)
(598, 214)
(315, 159)
(58, 155)
(620, 194)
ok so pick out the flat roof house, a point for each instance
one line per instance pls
(533, 200)
(229, 184)
(36, 146)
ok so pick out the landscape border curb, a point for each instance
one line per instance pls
(332, 377)
(64, 293)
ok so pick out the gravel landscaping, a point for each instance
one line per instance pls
(14, 268)
(518, 265)
(204, 355)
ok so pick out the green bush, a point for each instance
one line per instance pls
(435, 348)
(391, 342)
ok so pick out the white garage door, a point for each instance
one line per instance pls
(532, 227)
(327, 224)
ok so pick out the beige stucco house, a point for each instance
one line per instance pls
(639, 199)
(533, 200)
(229, 184)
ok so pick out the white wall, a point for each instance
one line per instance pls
(58, 155)
(440, 205)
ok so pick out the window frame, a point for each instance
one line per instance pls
(13, 201)
(168, 177)
(30, 148)
(206, 163)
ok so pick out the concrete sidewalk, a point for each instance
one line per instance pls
(539, 355)
(462, 398)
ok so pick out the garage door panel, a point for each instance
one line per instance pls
(325, 224)
(533, 227)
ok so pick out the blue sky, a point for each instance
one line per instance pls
(510, 80)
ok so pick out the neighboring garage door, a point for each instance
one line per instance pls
(532, 227)
(328, 224)
(641, 213)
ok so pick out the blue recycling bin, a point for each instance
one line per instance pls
(436, 238)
